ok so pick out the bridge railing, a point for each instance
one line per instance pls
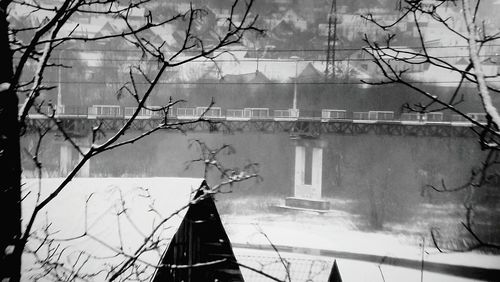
(144, 113)
(186, 113)
(36, 114)
(434, 117)
(105, 111)
(256, 113)
(290, 114)
(213, 112)
(235, 114)
(381, 115)
(246, 114)
(480, 117)
(310, 115)
(412, 117)
(360, 116)
(327, 114)
(71, 111)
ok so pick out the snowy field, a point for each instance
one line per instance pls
(94, 219)
(317, 268)
(379, 254)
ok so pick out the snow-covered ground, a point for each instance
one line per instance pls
(310, 233)
(106, 215)
(334, 235)
(367, 250)
(318, 268)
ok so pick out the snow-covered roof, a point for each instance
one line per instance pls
(272, 69)
(115, 212)
(254, 77)
(92, 59)
(36, 16)
(450, 78)
(98, 24)
(396, 52)
(165, 32)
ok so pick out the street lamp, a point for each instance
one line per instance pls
(59, 86)
(294, 107)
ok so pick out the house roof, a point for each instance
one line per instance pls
(247, 70)
(309, 73)
(166, 33)
(200, 238)
(399, 52)
(106, 29)
(283, 28)
(97, 207)
(254, 77)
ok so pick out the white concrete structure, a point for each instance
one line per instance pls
(68, 159)
(301, 189)
(307, 193)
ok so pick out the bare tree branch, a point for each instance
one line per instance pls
(387, 57)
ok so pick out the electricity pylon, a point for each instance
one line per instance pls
(332, 36)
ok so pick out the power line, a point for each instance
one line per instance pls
(262, 59)
(351, 48)
(257, 83)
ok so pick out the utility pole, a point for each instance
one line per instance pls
(59, 107)
(332, 36)
(294, 104)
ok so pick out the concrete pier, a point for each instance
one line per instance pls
(307, 192)
(69, 157)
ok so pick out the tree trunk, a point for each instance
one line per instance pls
(10, 163)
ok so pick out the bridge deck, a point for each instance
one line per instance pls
(313, 128)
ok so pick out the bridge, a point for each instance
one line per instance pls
(308, 139)
(81, 126)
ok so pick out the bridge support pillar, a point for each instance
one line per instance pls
(308, 176)
(85, 170)
(300, 167)
(65, 157)
(69, 157)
